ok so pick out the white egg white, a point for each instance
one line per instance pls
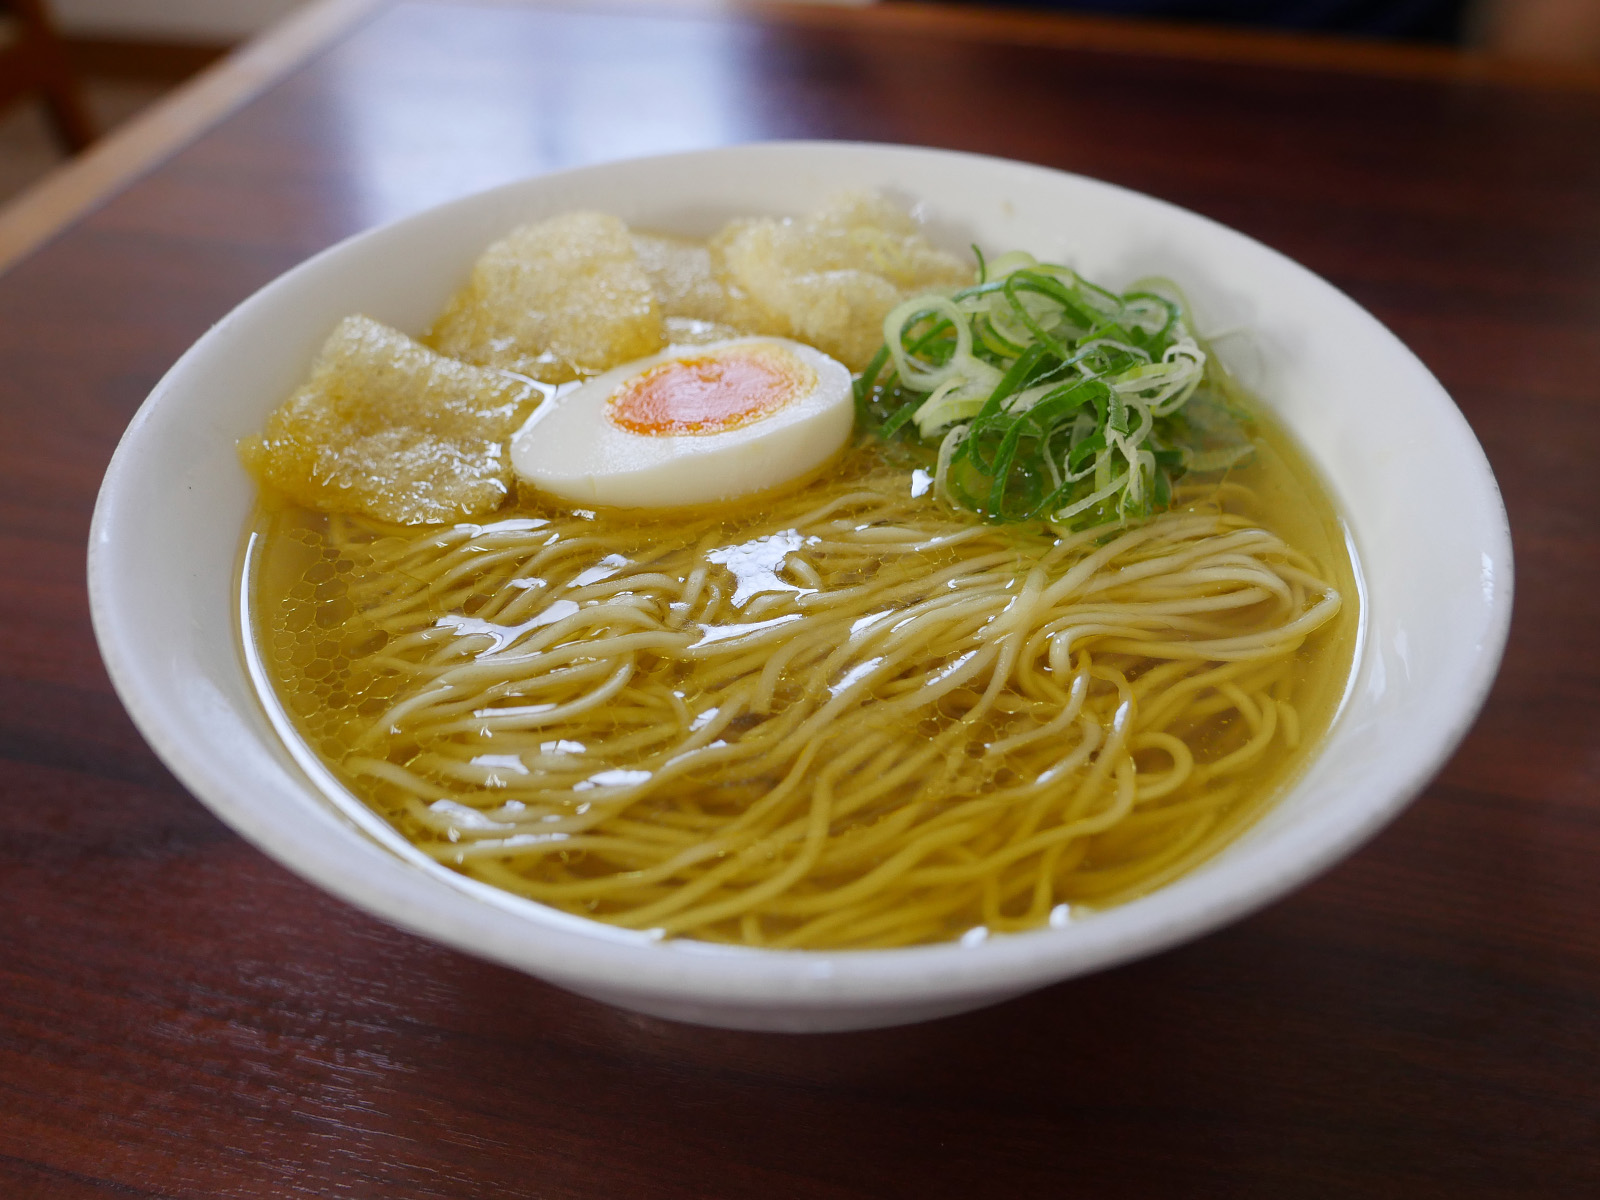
(572, 450)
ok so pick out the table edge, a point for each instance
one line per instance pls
(1167, 39)
(81, 184)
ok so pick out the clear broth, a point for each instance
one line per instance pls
(318, 648)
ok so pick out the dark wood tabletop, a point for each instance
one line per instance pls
(182, 1017)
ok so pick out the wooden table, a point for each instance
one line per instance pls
(180, 1016)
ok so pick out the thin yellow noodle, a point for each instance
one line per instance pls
(909, 726)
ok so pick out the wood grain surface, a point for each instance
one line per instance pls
(180, 1017)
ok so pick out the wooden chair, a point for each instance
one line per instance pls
(33, 62)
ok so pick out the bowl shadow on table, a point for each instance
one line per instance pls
(1229, 1060)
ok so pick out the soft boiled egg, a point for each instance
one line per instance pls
(690, 425)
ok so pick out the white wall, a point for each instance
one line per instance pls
(169, 20)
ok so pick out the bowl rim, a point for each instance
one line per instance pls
(690, 971)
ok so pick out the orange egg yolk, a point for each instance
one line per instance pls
(712, 393)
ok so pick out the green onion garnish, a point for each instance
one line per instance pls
(1042, 396)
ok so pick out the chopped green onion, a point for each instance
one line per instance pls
(1040, 396)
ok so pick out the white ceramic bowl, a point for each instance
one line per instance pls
(1422, 507)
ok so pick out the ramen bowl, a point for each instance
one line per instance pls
(1421, 511)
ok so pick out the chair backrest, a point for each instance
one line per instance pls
(35, 63)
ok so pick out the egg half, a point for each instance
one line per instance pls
(690, 425)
